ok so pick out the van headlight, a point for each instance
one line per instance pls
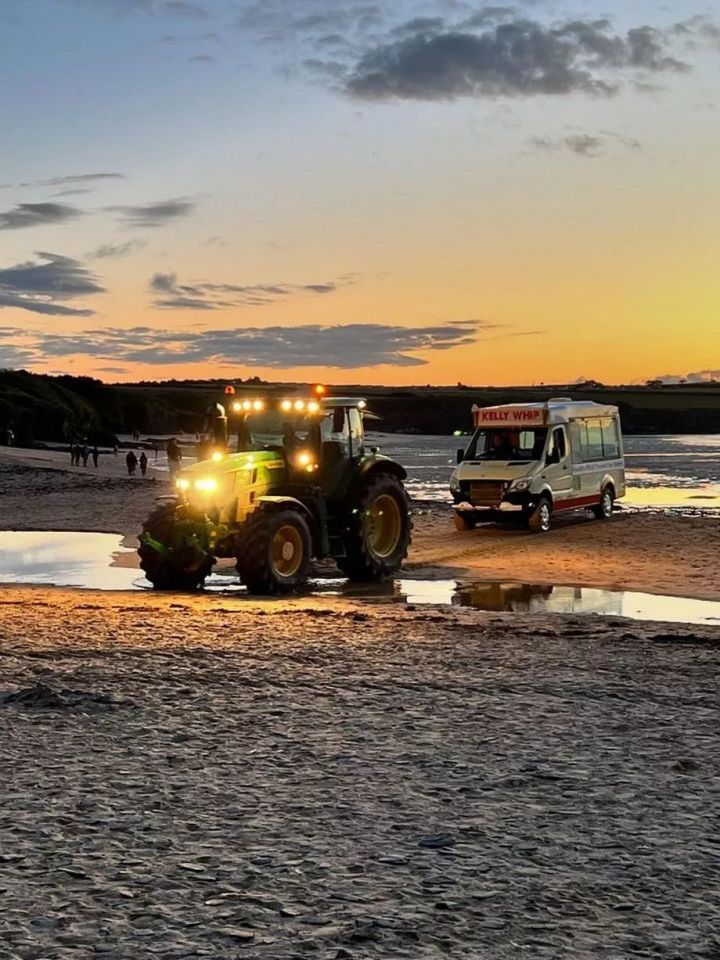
(517, 486)
(454, 482)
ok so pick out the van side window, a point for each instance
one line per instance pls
(595, 439)
(611, 442)
(557, 447)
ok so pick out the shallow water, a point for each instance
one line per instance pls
(98, 561)
(679, 473)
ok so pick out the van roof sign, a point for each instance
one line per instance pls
(561, 410)
(511, 415)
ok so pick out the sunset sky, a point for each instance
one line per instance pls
(379, 192)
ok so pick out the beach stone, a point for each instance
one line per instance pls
(238, 933)
(437, 841)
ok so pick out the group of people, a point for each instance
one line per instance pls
(82, 452)
(132, 461)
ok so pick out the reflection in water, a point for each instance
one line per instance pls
(93, 560)
(99, 561)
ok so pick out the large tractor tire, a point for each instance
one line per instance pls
(172, 551)
(275, 553)
(380, 531)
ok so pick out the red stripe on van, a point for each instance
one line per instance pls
(575, 503)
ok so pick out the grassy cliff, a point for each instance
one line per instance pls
(38, 407)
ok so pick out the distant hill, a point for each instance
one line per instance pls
(41, 408)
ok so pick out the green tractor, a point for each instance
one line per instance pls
(301, 486)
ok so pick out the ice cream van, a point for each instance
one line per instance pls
(534, 461)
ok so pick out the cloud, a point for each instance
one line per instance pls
(154, 214)
(341, 346)
(76, 178)
(110, 250)
(699, 376)
(584, 144)
(201, 58)
(181, 8)
(45, 285)
(513, 58)
(36, 215)
(220, 296)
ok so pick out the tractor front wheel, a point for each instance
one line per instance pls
(172, 551)
(379, 531)
(274, 555)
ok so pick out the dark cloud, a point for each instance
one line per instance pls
(514, 58)
(181, 8)
(13, 357)
(347, 347)
(76, 178)
(155, 214)
(37, 215)
(585, 144)
(45, 285)
(220, 296)
(111, 250)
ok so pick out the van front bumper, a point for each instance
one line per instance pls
(512, 504)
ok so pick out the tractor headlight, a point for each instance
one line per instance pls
(517, 486)
(454, 482)
(306, 461)
(216, 456)
(182, 484)
(206, 484)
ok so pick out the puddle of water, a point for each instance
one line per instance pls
(98, 561)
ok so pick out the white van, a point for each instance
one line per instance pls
(531, 461)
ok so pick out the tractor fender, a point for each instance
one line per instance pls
(372, 466)
(280, 503)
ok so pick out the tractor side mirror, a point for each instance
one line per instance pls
(460, 455)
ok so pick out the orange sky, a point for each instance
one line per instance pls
(245, 201)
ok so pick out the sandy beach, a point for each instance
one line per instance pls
(653, 552)
(204, 776)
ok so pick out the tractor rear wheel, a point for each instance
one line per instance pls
(380, 531)
(275, 553)
(172, 554)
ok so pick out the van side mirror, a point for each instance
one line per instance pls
(460, 455)
(552, 457)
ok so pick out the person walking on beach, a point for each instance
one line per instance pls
(174, 455)
(85, 454)
(73, 453)
(143, 463)
(131, 462)
(95, 456)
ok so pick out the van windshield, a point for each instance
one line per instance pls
(507, 444)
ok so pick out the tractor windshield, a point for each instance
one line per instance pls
(273, 430)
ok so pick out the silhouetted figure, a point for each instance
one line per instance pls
(73, 453)
(131, 462)
(95, 456)
(143, 463)
(85, 454)
(174, 456)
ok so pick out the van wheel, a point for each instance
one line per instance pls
(603, 511)
(540, 520)
(463, 521)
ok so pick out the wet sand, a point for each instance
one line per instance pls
(654, 553)
(204, 776)
(308, 778)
